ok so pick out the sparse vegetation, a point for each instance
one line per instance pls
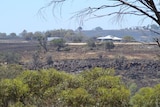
(10, 57)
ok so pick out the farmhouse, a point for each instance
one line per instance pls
(52, 38)
(109, 38)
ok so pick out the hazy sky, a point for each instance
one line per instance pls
(17, 15)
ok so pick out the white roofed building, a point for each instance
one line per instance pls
(109, 38)
(52, 38)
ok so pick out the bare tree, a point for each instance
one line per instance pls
(145, 8)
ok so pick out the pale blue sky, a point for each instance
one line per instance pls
(17, 15)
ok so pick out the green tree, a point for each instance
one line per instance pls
(44, 88)
(12, 35)
(156, 95)
(49, 60)
(69, 35)
(10, 57)
(143, 98)
(147, 97)
(36, 62)
(23, 33)
(98, 29)
(76, 97)
(58, 43)
(10, 71)
(105, 88)
(42, 40)
(108, 45)
(28, 36)
(3, 35)
(79, 29)
(128, 39)
(91, 43)
(12, 91)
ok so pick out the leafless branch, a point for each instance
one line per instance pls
(54, 4)
(133, 7)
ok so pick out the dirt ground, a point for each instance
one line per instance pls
(129, 51)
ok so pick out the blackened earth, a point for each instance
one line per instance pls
(142, 72)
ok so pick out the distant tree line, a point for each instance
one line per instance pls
(67, 35)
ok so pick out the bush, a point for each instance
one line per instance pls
(49, 60)
(147, 97)
(10, 57)
(36, 62)
(128, 39)
(58, 43)
(96, 87)
(108, 45)
(10, 71)
(91, 43)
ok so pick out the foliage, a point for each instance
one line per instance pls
(42, 42)
(96, 87)
(133, 88)
(108, 45)
(12, 91)
(91, 43)
(10, 57)
(98, 28)
(10, 71)
(36, 63)
(128, 39)
(49, 60)
(147, 97)
(58, 43)
(76, 97)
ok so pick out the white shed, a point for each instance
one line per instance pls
(52, 38)
(109, 38)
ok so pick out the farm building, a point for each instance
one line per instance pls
(109, 38)
(52, 38)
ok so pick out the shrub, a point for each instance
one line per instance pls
(96, 87)
(49, 60)
(10, 57)
(108, 45)
(91, 43)
(58, 43)
(147, 97)
(10, 71)
(128, 39)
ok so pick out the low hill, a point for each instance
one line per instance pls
(139, 35)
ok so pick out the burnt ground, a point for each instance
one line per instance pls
(142, 72)
(134, 62)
